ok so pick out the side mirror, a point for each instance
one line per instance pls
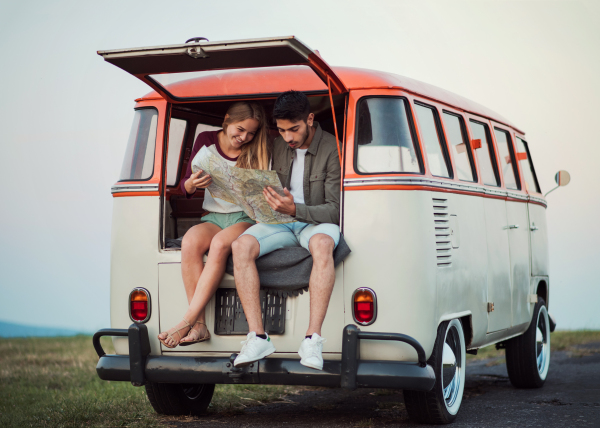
(562, 178)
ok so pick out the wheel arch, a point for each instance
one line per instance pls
(543, 291)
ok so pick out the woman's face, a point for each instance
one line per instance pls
(240, 133)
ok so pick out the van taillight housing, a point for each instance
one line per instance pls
(139, 305)
(364, 306)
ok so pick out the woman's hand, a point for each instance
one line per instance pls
(196, 182)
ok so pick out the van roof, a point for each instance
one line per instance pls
(273, 80)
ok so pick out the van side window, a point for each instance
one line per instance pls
(507, 159)
(177, 129)
(138, 163)
(457, 136)
(384, 138)
(434, 144)
(482, 145)
(526, 164)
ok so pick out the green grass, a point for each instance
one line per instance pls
(52, 382)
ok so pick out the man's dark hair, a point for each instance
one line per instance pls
(292, 106)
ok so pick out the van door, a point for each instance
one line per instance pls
(165, 67)
(518, 239)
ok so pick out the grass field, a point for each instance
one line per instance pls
(52, 382)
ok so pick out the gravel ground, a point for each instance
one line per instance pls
(570, 397)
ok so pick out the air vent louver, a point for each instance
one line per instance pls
(443, 243)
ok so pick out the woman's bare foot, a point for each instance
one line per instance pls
(198, 331)
(171, 338)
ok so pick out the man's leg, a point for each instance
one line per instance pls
(321, 240)
(257, 241)
(322, 278)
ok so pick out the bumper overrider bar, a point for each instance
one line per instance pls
(351, 372)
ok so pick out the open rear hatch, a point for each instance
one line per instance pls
(162, 66)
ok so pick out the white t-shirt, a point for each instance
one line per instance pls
(297, 180)
(212, 204)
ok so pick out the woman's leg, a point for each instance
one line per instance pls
(211, 276)
(194, 245)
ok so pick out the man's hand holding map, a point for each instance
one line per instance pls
(243, 187)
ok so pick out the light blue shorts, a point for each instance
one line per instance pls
(272, 237)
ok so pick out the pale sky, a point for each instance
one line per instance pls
(65, 116)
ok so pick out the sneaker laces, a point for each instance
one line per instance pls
(313, 349)
(250, 342)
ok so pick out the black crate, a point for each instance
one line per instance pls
(230, 317)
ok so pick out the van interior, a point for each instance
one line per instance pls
(190, 119)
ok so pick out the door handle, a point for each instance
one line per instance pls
(533, 228)
(512, 226)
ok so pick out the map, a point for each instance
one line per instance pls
(243, 187)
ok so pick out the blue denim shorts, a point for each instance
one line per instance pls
(272, 237)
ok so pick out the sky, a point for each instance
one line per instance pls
(65, 117)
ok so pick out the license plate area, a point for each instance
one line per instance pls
(230, 318)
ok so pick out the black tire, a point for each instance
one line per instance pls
(433, 407)
(177, 399)
(528, 359)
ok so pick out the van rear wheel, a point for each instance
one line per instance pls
(178, 399)
(441, 404)
(528, 355)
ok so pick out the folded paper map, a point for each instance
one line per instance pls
(243, 187)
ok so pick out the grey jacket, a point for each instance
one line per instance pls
(322, 175)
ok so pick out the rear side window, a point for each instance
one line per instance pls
(384, 139)
(457, 136)
(507, 159)
(434, 144)
(526, 164)
(139, 155)
(176, 136)
(482, 144)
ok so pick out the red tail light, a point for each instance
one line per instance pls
(364, 306)
(139, 305)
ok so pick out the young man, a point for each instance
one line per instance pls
(307, 162)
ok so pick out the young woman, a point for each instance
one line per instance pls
(243, 142)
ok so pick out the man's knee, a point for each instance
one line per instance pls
(321, 246)
(246, 247)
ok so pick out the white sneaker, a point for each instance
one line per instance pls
(254, 349)
(311, 352)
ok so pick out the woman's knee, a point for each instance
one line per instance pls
(194, 241)
(220, 246)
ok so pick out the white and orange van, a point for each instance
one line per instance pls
(440, 206)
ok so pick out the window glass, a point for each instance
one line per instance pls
(431, 139)
(138, 163)
(484, 152)
(202, 127)
(526, 164)
(176, 135)
(506, 159)
(455, 132)
(384, 138)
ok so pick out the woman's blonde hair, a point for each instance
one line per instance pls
(255, 154)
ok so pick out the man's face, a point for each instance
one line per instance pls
(295, 134)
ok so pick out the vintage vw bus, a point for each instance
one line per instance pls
(439, 203)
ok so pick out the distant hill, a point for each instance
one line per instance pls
(8, 329)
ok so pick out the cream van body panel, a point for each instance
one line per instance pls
(134, 253)
(392, 237)
(539, 240)
(173, 304)
(498, 278)
(518, 239)
(462, 286)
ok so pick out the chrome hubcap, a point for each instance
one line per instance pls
(542, 343)
(451, 367)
